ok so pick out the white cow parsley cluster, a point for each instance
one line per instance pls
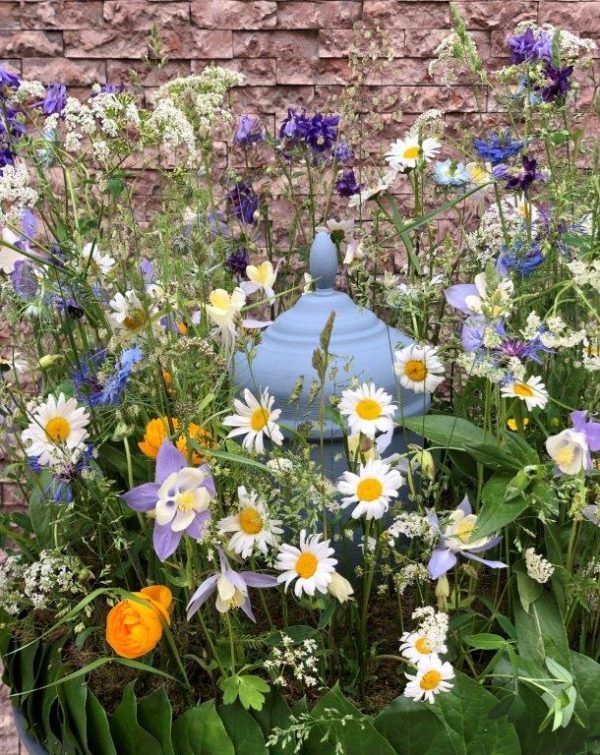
(53, 578)
(538, 567)
(296, 660)
(16, 194)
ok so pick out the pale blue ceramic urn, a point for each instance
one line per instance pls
(361, 347)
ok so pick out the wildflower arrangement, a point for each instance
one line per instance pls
(186, 577)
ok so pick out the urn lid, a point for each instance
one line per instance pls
(361, 346)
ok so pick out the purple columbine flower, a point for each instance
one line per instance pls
(232, 589)
(111, 89)
(342, 153)
(559, 83)
(347, 186)
(248, 132)
(521, 180)
(322, 132)
(8, 79)
(497, 147)
(454, 541)
(180, 497)
(238, 261)
(529, 48)
(294, 128)
(6, 158)
(55, 99)
(243, 202)
(591, 431)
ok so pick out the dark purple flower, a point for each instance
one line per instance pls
(322, 132)
(55, 99)
(559, 82)
(529, 48)
(521, 349)
(238, 261)
(248, 132)
(497, 147)
(294, 128)
(8, 79)
(521, 180)
(180, 497)
(346, 186)
(112, 88)
(12, 125)
(68, 306)
(243, 202)
(6, 158)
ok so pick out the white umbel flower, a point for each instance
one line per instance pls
(368, 410)
(310, 565)
(419, 368)
(56, 425)
(569, 449)
(252, 526)
(371, 489)
(431, 678)
(419, 646)
(93, 257)
(538, 567)
(255, 419)
(532, 391)
(406, 153)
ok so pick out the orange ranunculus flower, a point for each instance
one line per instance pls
(158, 430)
(134, 628)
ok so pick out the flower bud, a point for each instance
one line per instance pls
(442, 592)
(49, 359)
(340, 588)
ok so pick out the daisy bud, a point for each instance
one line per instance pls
(442, 592)
(340, 588)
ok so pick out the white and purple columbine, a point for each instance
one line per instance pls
(232, 589)
(455, 540)
(571, 449)
(179, 497)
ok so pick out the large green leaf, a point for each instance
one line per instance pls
(587, 680)
(155, 715)
(413, 729)
(242, 729)
(200, 731)
(42, 514)
(128, 736)
(99, 738)
(541, 632)
(274, 713)
(72, 696)
(495, 512)
(569, 741)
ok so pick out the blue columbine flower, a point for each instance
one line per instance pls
(342, 153)
(243, 202)
(449, 173)
(248, 132)
(55, 99)
(8, 79)
(498, 147)
(529, 47)
(294, 128)
(347, 186)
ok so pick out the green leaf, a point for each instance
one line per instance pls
(516, 444)
(98, 730)
(250, 690)
(128, 736)
(587, 681)
(42, 514)
(242, 729)
(413, 729)
(73, 696)
(200, 731)
(155, 715)
(541, 632)
(533, 742)
(485, 641)
(495, 513)
(529, 590)
(274, 713)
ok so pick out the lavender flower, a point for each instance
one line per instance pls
(559, 83)
(248, 132)
(8, 79)
(238, 261)
(232, 589)
(529, 48)
(521, 180)
(179, 496)
(342, 153)
(55, 99)
(347, 186)
(454, 541)
(243, 202)
(497, 147)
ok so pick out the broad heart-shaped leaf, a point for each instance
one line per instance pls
(99, 737)
(541, 632)
(495, 513)
(128, 736)
(357, 736)
(456, 433)
(274, 713)
(242, 729)
(200, 731)
(155, 715)
(587, 680)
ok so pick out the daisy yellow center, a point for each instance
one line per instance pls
(185, 501)
(368, 408)
(58, 429)
(422, 646)
(464, 530)
(522, 389)
(431, 680)
(415, 370)
(259, 419)
(306, 565)
(478, 173)
(411, 153)
(369, 489)
(250, 521)
(565, 455)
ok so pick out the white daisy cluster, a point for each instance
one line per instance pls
(251, 525)
(538, 567)
(298, 661)
(255, 419)
(586, 275)
(422, 648)
(419, 368)
(16, 193)
(51, 579)
(57, 431)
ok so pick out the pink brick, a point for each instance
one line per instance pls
(10, 16)
(146, 75)
(584, 16)
(62, 14)
(493, 14)
(396, 15)
(338, 43)
(423, 43)
(264, 44)
(137, 15)
(180, 43)
(271, 99)
(26, 43)
(234, 14)
(323, 14)
(65, 70)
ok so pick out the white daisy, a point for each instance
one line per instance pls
(371, 489)
(418, 646)
(93, 257)
(368, 409)
(521, 209)
(56, 425)
(310, 565)
(533, 392)
(419, 368)
(406, 153)
(251, 525)
(128, 312)
(431, 678)
(255, 419)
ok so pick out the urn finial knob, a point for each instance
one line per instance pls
(323, 261)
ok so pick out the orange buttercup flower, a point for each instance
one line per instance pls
(134, 628)
(158, 430)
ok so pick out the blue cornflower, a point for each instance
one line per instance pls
(529, 48)
(523, 257)
(523, 350)
(248, 132)
(498, 147)
(347, 186)
(62, 478)
(243, 202)
(90, 390)
(115, 385)
(449, 173)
